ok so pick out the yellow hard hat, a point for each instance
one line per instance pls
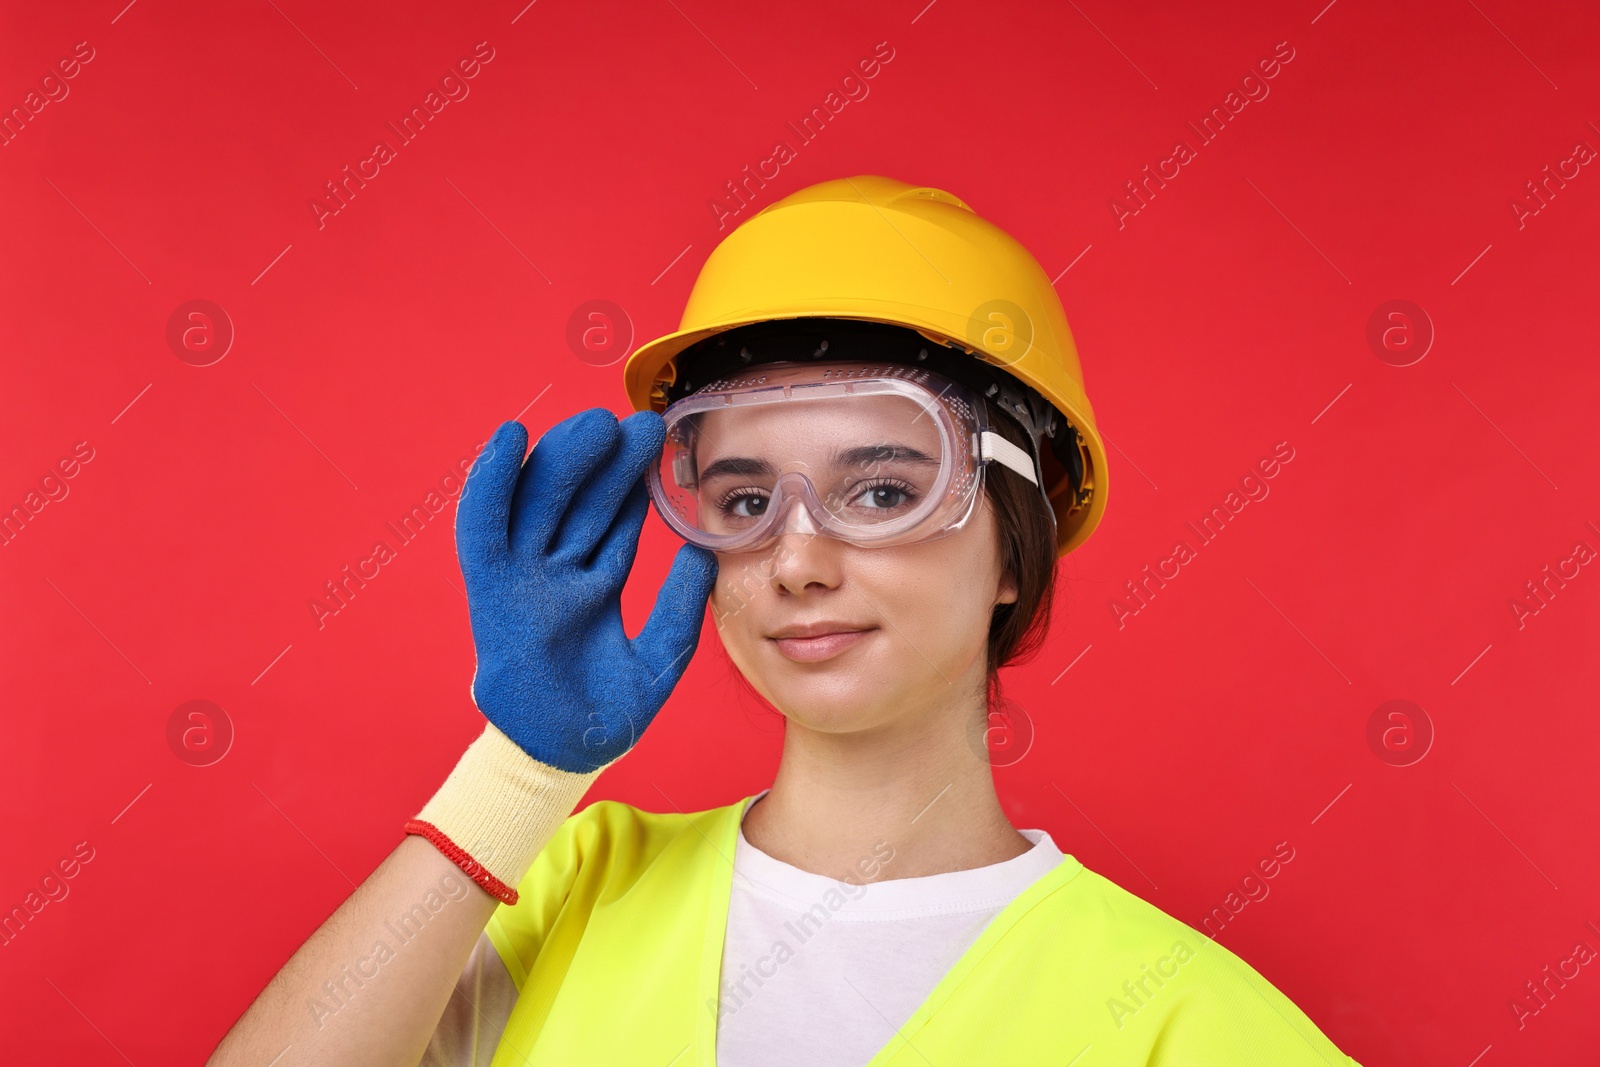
(880, 250)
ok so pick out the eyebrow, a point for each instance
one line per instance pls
(851, 457)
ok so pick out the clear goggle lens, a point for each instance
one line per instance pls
(874, 459)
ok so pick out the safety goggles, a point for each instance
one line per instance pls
(872, 455)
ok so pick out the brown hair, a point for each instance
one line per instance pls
(1027, 552)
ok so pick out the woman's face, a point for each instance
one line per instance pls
(923, 609)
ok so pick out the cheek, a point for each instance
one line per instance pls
(954, 608)
(962, 582)
(740, 582)
(937, 598)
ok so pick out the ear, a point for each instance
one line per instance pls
(1008, 590)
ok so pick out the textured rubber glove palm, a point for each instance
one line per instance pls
(545, 547)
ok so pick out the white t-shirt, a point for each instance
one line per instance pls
(799, 947)
(803, 949)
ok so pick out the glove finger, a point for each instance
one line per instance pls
(614, 719)
(614, 555)
(671, 633)
(561, 461)
(484, 507)
(595, 507)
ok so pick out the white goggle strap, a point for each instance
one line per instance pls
(992, 446)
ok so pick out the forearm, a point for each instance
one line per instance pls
(555, 671)
(369, 986)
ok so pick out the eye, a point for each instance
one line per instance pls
(886, 495)
(736, 502)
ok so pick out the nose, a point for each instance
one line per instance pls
(796, 492)
(801, 563)
(811, 558)
(798, 520)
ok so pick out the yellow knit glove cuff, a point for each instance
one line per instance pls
(494, 813)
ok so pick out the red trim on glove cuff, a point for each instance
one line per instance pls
(455, 854)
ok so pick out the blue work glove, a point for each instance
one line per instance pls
(545, 547)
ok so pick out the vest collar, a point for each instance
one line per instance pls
(723, 835)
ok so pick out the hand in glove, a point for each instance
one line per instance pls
(545, 547)
(545, 554)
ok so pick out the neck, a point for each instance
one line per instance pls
(919, 785)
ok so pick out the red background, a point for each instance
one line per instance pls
(1226, 316)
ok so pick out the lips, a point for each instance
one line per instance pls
(815, 642)
(818, 629)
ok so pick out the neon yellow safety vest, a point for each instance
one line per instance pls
(615, 945)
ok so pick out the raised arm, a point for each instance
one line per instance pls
(545, 548)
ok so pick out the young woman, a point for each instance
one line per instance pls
(872, 433)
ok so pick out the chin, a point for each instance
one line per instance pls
(830, 699)
(829, 715)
